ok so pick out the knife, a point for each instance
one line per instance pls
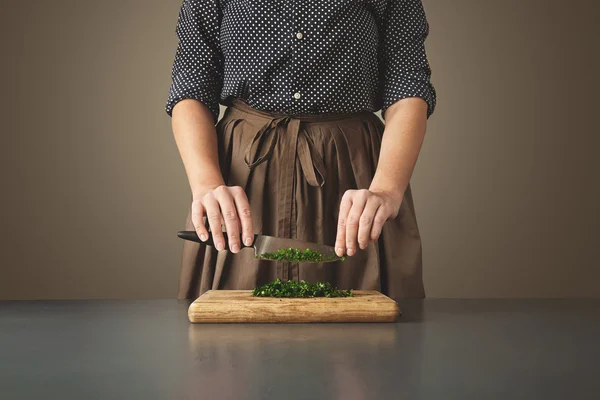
(268, 244)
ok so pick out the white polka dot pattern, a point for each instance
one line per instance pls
(302, 57)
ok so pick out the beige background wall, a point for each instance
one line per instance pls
(507, 186)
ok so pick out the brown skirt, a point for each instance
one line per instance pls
(295, 170)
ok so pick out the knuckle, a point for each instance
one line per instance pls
(229, 215)
(214, 216)
(380, 219)
(233, 236)
(342, 222)
(375, 201)
(246, 212)
(196, 216)
(220, 189)
(352, 220)
(365, 219)
(387, 209)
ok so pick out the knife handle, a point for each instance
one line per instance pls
(193, 236)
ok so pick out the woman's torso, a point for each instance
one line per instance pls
(302, 57)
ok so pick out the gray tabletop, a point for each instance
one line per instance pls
(441, 349)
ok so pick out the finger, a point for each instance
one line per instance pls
(244, 211)
(229, 213)
(358, 204)
(381, 216)
(366, 221)
(340, 240)
(198, 211)
(213, 213)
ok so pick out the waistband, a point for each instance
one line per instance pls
(242, 105)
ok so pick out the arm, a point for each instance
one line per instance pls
(196, 139)
(402, 139)
(193, 104)
(408, 100)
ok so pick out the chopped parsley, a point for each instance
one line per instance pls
(304, 289)
(297, 255)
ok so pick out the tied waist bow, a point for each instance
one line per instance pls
(310, 159)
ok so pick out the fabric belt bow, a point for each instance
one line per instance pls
(311, 161)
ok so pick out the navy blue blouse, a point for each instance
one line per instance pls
(302, 56)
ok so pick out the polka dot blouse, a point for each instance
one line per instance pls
(302, 57)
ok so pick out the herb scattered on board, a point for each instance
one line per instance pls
(298, 255)
(291, 288)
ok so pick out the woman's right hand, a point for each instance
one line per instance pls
(226, 205)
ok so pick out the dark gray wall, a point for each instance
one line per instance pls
(506, 189)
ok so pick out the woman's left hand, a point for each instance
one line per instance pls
(362, 215)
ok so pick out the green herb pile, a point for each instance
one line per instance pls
(297, 255)
(290, 288)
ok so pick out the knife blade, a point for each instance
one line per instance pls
(268, 244)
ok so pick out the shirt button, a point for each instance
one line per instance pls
(299, 35)
(296, 95)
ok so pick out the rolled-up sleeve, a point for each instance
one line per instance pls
(405, 70)
(197, 71)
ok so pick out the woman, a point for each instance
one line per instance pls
(299, 152)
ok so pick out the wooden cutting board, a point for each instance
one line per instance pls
(239, 306)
